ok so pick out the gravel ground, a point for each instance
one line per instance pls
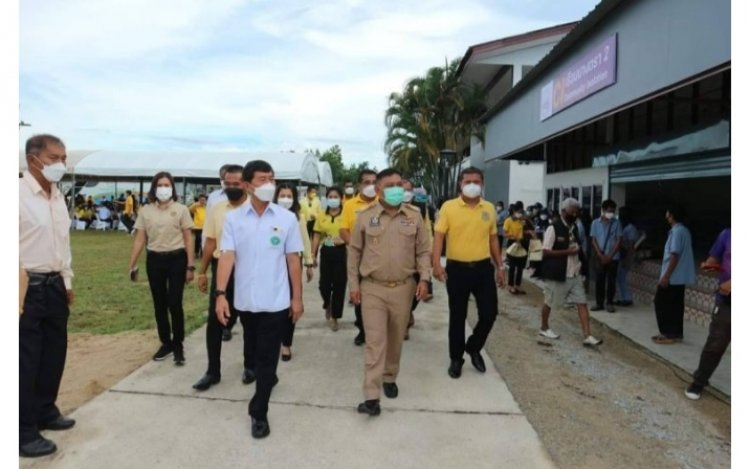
(611, 407)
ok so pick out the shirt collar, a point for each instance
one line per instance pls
(401, 209)
(271, 208)
(464, 204)
(36, 188)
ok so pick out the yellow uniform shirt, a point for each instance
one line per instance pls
(199, 216)
(514, 228)
(328, 226)
(351, 208)
(164, 226)
(310, 208)
(128, 210)
(215, 222)
(347, 198)
(467, 229)
(307, 248)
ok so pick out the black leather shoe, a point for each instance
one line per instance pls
(371, 407)
(39, 447)
(226, 335)
(248, 376)
(454, 371)
(360, 339)
(206, 382)
(390, 390)
(260, 428)
(60, 423)
(477, 361)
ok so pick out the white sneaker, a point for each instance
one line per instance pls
(549, 333)
(592, 341)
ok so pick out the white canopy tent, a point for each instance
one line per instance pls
(108, 164)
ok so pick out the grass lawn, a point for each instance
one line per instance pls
(106, 300)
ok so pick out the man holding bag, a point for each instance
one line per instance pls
(606, 236)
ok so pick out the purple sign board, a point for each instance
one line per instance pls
(594, 71)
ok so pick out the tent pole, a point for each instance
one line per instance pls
(140, 191)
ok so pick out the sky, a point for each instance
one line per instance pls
(233, 75)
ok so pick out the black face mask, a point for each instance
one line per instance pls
(234, 193)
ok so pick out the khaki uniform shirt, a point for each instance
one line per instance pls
(164, 226)
(215, 222)
(388, 249)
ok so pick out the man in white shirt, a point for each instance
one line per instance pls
(218, 195)
(44, 255)
(262, 242)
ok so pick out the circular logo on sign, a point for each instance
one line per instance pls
(275, 240)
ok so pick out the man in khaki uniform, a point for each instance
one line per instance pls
(389, 244)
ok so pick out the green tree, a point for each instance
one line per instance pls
(341, 173)
(433, 112)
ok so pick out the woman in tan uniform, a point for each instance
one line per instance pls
(286, 196)
(164, 227)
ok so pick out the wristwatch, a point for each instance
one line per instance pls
(191, 268)
(219, 293)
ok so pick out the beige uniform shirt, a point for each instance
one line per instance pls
(164, 226)
(388, 249)
(215, 222)
(44, 230)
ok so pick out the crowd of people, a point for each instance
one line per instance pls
(382, 239)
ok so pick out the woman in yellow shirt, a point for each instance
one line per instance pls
(513, 230)
(332, 258)
(286, 196)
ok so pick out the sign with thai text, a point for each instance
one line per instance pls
(594, 71)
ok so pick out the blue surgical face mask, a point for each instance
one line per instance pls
(394, 196)
(421, 198)
(334, 203)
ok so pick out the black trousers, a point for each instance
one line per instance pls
(669, 304)
(719, 336)
(128, 222)
(310, 226)
(515, 273)
(214, 328)
(43, 342)
(606, 276)
(263, 332)
(198, 243)
(464, 280)
(166, 277)
(333, 278)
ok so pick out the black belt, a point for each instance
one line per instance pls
(470, 265)
(167, 253)
(42, 278)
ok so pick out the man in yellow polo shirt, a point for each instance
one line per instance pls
(348, 191)
(366, 197)
(468, 222)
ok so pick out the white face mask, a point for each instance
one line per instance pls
(286, 202)
(54, 172)
(349, 191)
(408, 196)
(543, 217)
(471, 190)
(163, 193)
(265, 192)
(369, 191)
(609, 215)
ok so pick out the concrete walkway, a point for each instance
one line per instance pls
(638, 323)
(154, 418)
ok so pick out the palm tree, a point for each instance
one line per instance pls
(432, 113)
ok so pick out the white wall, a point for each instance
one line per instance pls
(526, 183)
(477, 153)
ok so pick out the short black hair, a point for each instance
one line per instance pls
(609, 203)
(202, 196)
(677, 211)
(348, 182)
(365, 172)
(387, 172)
(155, 181)
(500, 202)
(223, 170)
(470, 170)
(37, 143)
(231, 168)
(255, 166)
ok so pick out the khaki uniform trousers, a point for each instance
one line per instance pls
(385, 313)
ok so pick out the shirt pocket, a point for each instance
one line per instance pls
(373, 234)
(408, 232)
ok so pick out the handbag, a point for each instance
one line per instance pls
(535, 250)
(516, 250)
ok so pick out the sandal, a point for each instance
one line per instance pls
(663, 340)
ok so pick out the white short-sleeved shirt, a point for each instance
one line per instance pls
(260, 244)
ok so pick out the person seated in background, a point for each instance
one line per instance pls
(85, 213)
(104, 215)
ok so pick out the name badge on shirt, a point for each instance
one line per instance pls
(407, 222)
(485, 216)
(275, 238)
